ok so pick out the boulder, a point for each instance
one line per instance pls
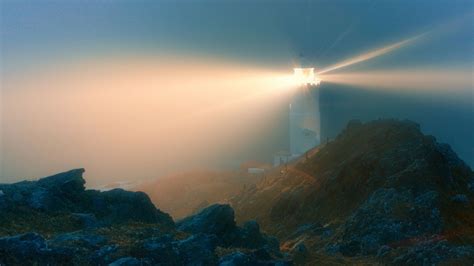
(434, 252)
(67, 183)
(65, 193)
(197, 249)
(127, 261)
(103, 255)
(236, 259)
(159, 250)
(251, 234)
(31, 248)
(257, 258)
(82, 239)
(119, 206)
(87, 220)
(55, 193)
(389, 216)
(460, 198)
(217, 219)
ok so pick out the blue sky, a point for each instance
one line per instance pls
(272, 32)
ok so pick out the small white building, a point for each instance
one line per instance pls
(255, 170)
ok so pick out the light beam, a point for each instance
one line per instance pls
(455, 83)
(369, 55)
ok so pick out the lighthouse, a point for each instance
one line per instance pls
(304, 116)
(304, 119)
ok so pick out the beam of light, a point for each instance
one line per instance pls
(407, 79)
(122, 117)
(267, 84)
(442, 28)
(455, 85)
(369, 55)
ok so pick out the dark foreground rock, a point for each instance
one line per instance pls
(219, 220)
(31, 247)
(239, 258)
(117, 227)
(212, 228)
(65, 193)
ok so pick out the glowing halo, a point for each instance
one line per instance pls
(305, 76)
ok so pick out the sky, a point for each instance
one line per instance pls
(139, 89)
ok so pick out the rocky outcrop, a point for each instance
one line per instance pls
(65, 193)
(31, 248)
(116, 227)
(218, 220)
(52, 194)
(119, 205)
(434, 252)
(379, 190)
(212, 228)
(239, 258)
(383, 220)
(127, 261)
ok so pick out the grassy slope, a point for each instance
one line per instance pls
(341, 175)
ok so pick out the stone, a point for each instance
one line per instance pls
(383, 250)
(127, 261)
(236, 259)
(387, 218)
(123, 206)
(65, 193)
(160, 250)
(197, 249)
(249, 236)
(460, 198)
(217, 219)
(87, 220)
(79, 238)
(31, 248)
(103, 254)
(433, 252)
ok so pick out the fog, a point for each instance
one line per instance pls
(133, 91)
(132, 117)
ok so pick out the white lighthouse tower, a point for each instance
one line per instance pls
(304, 117)
(305, 120)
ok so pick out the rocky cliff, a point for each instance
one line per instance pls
(381, 192)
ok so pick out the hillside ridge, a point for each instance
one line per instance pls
(381, 187)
